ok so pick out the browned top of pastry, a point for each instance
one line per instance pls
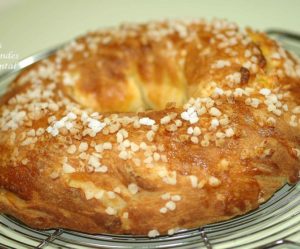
(147, 128)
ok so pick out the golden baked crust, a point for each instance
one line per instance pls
(196, 123)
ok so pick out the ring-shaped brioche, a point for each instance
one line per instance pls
(148, 128)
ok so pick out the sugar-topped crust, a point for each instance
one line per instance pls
(149, 128)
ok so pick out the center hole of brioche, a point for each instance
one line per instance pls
(126, 95)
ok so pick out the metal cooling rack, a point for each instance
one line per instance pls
(275, 224)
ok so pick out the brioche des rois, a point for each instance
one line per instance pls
(149, 128)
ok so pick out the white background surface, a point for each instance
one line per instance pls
(29, 26)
